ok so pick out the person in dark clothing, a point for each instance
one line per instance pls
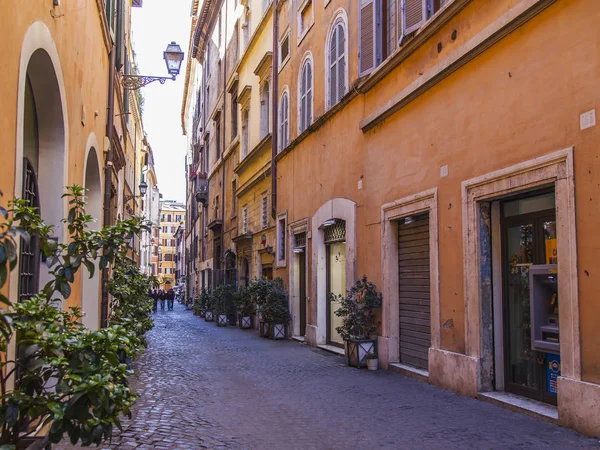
(162, 297)
(154, 295)
(170, 298)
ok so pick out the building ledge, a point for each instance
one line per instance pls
(409, 371)
(215, 224)
(299, 339)
(523, 405)
(242, 237)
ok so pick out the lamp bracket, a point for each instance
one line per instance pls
(133, 82)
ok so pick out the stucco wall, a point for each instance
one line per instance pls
(519, 99)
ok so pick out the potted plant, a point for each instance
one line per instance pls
(358, 321)
(208, 305)
(245, 307)
(372, 361)
(274, 310)
(220, 308)
(203, 301)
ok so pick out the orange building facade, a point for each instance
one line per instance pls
(448, 151)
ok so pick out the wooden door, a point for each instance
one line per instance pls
(414, 289)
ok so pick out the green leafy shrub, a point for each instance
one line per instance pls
(64, 374)
(219, 299)
(356, 310)
(242, 300)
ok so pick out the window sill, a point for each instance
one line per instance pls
(304, 33)
(283, 63)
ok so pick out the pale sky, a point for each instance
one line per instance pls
(154, 26)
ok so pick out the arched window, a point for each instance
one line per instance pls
(337, 68)
(284, 121)
(306, 94)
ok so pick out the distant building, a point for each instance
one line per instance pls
(172, 216)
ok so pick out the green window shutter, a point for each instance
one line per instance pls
(120, 34)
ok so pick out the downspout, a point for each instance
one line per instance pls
(222, 138)
(274, 93)
(108, 175)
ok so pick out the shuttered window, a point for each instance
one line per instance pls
(245, 221)
(284, 122)
(337, 63)
(305, 96)
(265, 212)
(368, 41)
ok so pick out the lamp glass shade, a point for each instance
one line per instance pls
(173, 58)
(143, 187)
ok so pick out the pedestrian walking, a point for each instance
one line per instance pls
(170, 298)
(154, 295)
(162, 297)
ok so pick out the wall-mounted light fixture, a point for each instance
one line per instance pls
(173, 57)
(143, 188)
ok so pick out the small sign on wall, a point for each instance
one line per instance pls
(587, 119)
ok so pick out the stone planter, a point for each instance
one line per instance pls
(265, 329)
(202, 313)
(222, 320)
(358, 349)
(277, 331)
(208, 316)
(245, 322)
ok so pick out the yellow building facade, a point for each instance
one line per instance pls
(172, 216)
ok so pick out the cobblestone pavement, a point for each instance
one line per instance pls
(225, 388)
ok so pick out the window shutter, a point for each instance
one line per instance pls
(308, 95)
(333, 67)
(367, 42)
(414, 14)
(120, 35)
(341, 62)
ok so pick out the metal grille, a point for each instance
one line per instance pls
(336, 232)
(29, 251)
(300, 240)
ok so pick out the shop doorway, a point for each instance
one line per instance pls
(335, 247)
(298, 284)
(414, 290)
(529, 295)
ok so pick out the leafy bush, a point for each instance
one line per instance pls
(356, 310)
(242, 300)
(63, 373)
(219, 298)
(202, 301)
(271, 299)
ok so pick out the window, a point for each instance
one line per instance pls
(245, 220)
(217, 207)
(234, 116)
(245, 132)
(233, 202)
(284, 121)
(305, 85)
(218, 138)
(264, 212)
(305, 19)
(264, 110)
(281, 238)
(284, 50)
(169, 218)
(336, 71)
(382, 28)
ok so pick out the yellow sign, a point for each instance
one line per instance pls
(551, 253)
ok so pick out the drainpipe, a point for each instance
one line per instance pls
(275, 90)
(222, 139)
(108, 175)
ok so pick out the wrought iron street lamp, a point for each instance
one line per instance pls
(143, 188)
(173, 57)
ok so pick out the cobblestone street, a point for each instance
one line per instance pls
(208, 387)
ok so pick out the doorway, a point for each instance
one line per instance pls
(529, 241)
(414, 290)
(335, 248)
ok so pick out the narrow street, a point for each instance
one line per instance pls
(208, 387)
